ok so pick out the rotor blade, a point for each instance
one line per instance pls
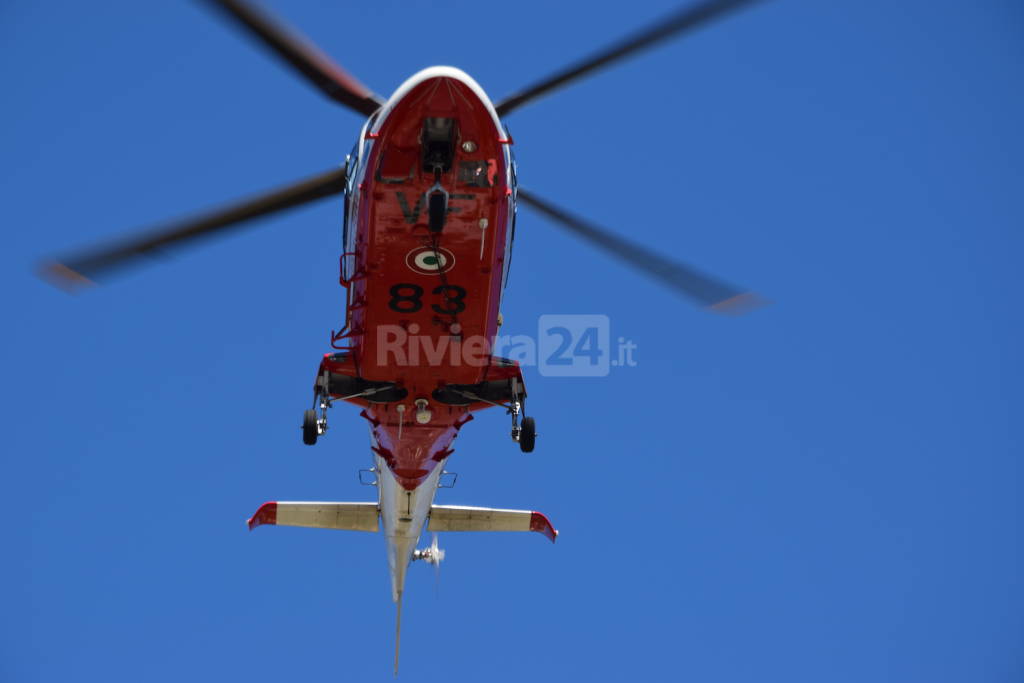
(83, 268)
(685, 19)
(317, 67)
(708, 291)
(436, 554)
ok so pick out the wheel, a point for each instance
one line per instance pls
(527, 435)
(309, 428)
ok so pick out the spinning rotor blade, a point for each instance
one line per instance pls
(82, 268)
(709, 292)
(438, 556)
(685, 19)
(317, 67)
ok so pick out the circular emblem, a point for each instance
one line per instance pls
(428, 261)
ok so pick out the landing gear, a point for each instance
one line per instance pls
(313, 426)
(526, 433)
(310, 429)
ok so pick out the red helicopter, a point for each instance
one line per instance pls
(431, 193)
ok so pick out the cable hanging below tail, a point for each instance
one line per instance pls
(398, 630)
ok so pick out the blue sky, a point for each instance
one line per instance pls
(825, 489)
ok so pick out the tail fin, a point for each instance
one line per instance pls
(464, 518)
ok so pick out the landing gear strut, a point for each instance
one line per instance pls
(524, 434)
(313, 426)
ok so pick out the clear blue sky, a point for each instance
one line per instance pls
(825, 490)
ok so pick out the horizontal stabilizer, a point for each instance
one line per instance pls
(463, 518)
(351, 516)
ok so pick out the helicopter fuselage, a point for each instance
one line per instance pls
(428, 232)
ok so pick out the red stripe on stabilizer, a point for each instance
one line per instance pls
(267, 514)
(539, 522)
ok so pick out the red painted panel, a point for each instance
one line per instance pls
(392, 230)
(439, 299)
(541, 524)
(267, 514)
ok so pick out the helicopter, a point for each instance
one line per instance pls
(430, 193)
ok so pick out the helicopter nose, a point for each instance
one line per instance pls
(441, 92)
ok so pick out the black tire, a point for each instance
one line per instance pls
(309, 428)
(527, 435)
